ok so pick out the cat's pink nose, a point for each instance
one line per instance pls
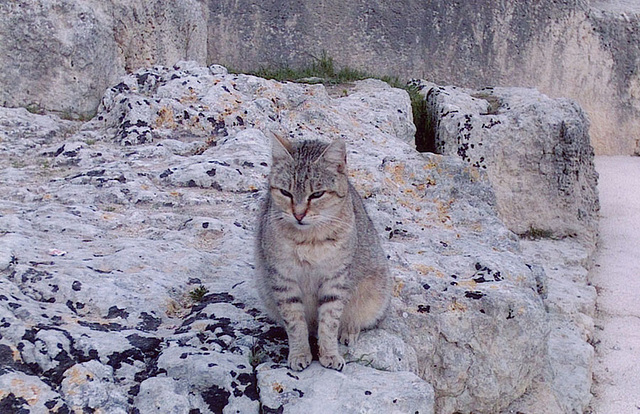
(299, 216)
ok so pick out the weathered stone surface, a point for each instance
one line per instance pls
(588, 52)
(107, 226)
(60, 55)
(356, 389)
(565, 383)
(56, 55)
(536, 152)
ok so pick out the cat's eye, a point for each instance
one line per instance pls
(286, 193)
(317, 194)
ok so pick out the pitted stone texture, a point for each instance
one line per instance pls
(106, 239)
(535, 149)
(355, 389)
(60, 55)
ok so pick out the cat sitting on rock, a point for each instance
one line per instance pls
(321, 269)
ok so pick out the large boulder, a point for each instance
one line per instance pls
(56, 55)
(536, 152)
(60, 55)
(109, 229)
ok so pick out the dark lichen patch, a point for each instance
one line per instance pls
(475, 294)
(249, 387)
(104, 327)
(221, 297)
(13, 404)
(268, 410)
(424, 308)
(8, 363)
(115, 312)
(149, 322)
(128, 357)
(484, 274)
(145, 343)
(216, 398)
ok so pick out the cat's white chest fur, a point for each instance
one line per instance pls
(314, 254)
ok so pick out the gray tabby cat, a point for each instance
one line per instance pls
(320, 264)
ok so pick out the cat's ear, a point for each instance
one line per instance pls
(336, 153)
(280, 147)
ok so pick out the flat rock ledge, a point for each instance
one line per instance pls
(108, 229)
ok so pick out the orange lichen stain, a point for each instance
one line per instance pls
(397, 171)
(166, 118)
(191, 97)
(47, 197)
(457, 306)
(78, 377)
(30, 393)
(15, 354)
(176, 193)
(277, 387)
(397, 288)
(430, 165)
(426, 270)
(443, 211)
(471, 284)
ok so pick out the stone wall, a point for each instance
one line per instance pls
(59, 55)
(565, 49)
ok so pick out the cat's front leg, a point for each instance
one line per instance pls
(291, 308)
(298, 336)
(330, 307)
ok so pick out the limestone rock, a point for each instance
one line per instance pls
(536, 152)
(127, 254)
(57, 55)
(60, 55)
(356, 389)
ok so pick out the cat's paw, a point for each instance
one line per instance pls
(349, 338)
(299, 361)
(334, 361)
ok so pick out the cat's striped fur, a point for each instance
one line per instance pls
(321, 269)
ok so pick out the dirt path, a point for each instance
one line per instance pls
(617, 280)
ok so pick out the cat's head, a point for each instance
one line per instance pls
(308, 182)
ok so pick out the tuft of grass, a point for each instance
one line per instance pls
(494, 102)
(34, 108)
(257, 356)
(198, 293)
(535, 233)
(321, 70)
